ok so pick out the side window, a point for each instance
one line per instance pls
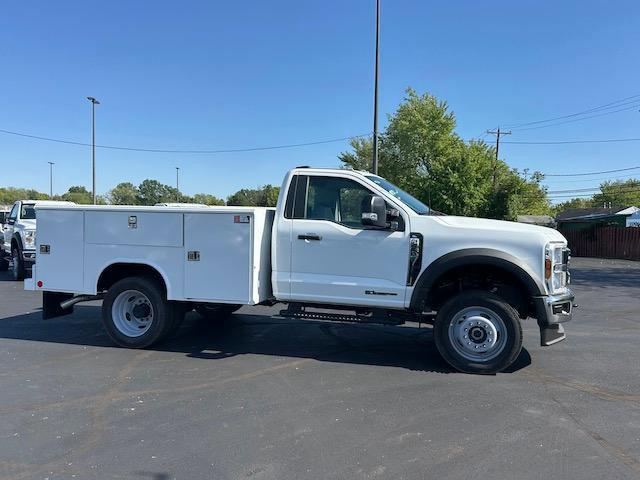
(330, 198)
(14, 212)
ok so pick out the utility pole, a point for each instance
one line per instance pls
(177, 184)
(497, 133)
(374, 165)
(94, 102)
(51, 164)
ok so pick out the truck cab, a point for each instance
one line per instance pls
(18, 237)
(345, 237)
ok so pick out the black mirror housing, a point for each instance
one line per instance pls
(374, 211)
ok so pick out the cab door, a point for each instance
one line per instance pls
(334, 258)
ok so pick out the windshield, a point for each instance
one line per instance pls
(410, 201)
(28, 211)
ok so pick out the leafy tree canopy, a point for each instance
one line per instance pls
(421, 153)
(266, 196)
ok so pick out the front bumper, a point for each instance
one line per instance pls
(28, 258)
(551, 312)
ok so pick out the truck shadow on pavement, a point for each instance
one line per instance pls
(262, 334)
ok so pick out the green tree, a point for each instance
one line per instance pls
(151, 192)
(125, 193)
(8, 195)
(573, 203)
(270, 196)
(266, 196)
(621, 193)
(78, 194)
(207, 199)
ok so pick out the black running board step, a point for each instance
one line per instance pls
(332, 316)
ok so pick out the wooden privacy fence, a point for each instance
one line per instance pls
(604, 242)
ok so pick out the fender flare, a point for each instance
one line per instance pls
(18, 238)
(474, 256)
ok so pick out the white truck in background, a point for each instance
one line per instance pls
(340, 245)
(17, 249)
(4, 213)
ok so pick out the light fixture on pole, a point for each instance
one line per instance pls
(374, 162)
(177, 184)
(51, 164)
(94, 102)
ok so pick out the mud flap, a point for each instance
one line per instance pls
(551, 334)
(51, 304)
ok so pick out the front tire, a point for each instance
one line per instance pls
(4, 264)
(17, 268)
(136, 314)
(478, 332)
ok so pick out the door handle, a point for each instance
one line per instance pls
(310, 236)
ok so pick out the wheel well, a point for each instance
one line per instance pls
(118, 271)
(490, 278)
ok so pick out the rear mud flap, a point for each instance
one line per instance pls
(51, 304)
(551, 334)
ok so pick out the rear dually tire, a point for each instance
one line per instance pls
(136, 313)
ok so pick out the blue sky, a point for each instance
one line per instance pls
(224, 75)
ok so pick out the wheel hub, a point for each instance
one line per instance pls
(477, 333)
(132, 313)
(141, 310)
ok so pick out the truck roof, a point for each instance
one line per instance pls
(303, 170)
(47, 202)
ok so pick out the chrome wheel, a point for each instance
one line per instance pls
(132, 313)
(477, 333)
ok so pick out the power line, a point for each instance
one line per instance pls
(589, 173)
(598, 179)
(615, 188)
(590, 110)
(578, 119)
(156, 150)
(562, 142)
(588, 195)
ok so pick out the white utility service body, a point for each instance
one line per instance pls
(338, 239)
(217, 254)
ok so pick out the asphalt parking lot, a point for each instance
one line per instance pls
(264, 397)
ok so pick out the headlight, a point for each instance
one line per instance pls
(30, 239)
(556, 272)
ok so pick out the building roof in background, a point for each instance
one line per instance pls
(587, 213)
(628, 211)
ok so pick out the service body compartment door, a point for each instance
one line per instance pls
(60, 250)
(218, 255)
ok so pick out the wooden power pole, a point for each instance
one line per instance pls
(497, 132)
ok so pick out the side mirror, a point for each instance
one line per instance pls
(374, 211)
(11, 221)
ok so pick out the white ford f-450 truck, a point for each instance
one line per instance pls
(340, 245)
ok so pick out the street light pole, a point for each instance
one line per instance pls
(177, 184)
(51, 164)
(94, 102)
(374, 166)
